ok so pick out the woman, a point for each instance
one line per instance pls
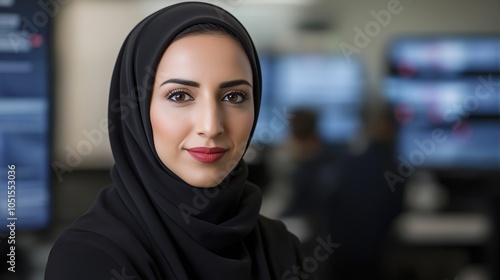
(184, 101)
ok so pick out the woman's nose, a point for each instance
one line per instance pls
(209, 120)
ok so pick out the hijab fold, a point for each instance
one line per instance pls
(186, 227)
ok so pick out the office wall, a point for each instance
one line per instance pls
(89, 33)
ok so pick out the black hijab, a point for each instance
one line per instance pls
(191, 233)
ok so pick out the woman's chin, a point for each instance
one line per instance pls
(209, 180)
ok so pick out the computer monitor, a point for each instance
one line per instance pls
(324, 82)
(444, 56)
(451, 85)
(25, 114)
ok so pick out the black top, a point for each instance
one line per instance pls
(103, 244)
(150, 224)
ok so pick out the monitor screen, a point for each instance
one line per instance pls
(444, 55)
(475, 145)
(451, 85)
(325, 83)
(25, 98)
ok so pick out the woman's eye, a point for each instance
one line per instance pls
(179, 97)
(235, 97)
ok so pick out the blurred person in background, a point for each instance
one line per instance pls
(313, 171)
(362, 208)
(312, 177)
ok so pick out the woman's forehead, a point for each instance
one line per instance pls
(205, 55)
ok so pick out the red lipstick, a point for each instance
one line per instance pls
(206, 155)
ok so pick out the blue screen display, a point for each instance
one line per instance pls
(25, 98)
(326, 83)
(451, 85)
(447, 56)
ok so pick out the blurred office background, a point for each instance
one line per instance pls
(379, 129)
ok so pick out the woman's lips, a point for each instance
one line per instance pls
(206, 154)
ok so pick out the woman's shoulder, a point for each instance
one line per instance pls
(83, 255)
(99, 243)
(279, 240)
(283, 250)
(275, 232)
(273, 226)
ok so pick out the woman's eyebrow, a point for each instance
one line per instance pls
(234, 83)
(182, 82)
(195, 84)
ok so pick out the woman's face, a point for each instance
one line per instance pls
(202, 107)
